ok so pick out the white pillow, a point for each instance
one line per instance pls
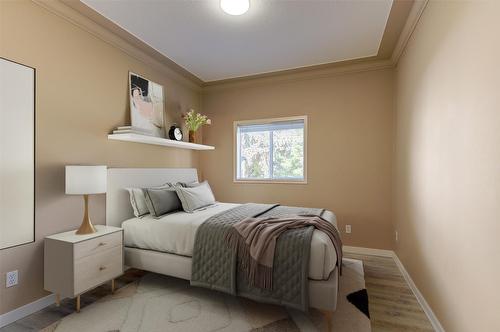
(187, 184)
(196, 197)
(138, 200)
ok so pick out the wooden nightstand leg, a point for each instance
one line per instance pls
(58, 300)
(328, 319)
(78, 303)
(113, 286)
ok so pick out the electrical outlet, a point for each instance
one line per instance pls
(397, 236)
(11, 278)
(348, 229)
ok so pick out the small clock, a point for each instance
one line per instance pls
(175, 133)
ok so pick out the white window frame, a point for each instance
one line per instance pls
(266, 121)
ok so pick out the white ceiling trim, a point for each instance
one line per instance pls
(410, 25)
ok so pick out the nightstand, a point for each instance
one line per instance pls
(74, 264)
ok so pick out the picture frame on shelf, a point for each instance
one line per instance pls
(147, 105)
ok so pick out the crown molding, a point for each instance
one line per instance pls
(397, 20)
(87, 19)
(410, 25)
(131, 45)
(334, 69)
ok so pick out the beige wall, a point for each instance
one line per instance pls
(446, 173)
(448, 162)
(349, 147)
(81, 95)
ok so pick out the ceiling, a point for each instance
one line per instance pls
(272, 36)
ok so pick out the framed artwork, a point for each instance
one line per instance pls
(146, 105)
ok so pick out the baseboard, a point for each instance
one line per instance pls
(26, 310)
(368, 251)
(420, 298)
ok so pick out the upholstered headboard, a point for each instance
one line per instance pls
(118, 208)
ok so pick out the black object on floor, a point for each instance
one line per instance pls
(360, 300)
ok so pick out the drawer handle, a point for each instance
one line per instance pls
(102, 244)
(102, 268)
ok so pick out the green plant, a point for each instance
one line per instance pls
(195, 120)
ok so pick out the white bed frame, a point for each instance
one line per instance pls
(322, 293)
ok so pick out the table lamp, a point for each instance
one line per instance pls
(86, 180)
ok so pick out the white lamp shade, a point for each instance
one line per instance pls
(82, 180)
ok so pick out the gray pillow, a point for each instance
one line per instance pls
(138, 202)
(161, 201)
(196, 197)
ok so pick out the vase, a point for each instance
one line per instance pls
(192, 136)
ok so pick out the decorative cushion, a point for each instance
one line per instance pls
(195, 197)
(161, 201)
(138, 202)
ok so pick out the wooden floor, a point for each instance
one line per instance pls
(393, 307)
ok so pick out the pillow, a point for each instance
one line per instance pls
(188, 184)
(196, 197)
(161, 201)
(138, 202)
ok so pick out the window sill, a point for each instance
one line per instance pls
(270, 181)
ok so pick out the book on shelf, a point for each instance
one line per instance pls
(132, 130)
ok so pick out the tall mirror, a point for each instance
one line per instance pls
(17, 154)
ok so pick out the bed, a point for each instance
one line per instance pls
(165, 245)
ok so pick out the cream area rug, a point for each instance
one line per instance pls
(157, 303)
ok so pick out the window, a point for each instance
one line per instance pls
(271, 150)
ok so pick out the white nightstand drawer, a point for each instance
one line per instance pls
(95, 269)
(97, 245)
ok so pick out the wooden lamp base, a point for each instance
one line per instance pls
(86, 227)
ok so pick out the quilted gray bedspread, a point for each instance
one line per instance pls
(215, 265)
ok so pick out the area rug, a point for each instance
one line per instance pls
(157, 303)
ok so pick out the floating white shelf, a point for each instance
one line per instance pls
(136, 138)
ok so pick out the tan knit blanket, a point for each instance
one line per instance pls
(255, 241)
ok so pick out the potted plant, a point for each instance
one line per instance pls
(193, 122)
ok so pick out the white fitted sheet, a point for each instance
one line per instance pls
(175, 233)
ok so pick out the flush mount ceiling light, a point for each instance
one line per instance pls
(235, 7)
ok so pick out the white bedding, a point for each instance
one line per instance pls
(175, 233)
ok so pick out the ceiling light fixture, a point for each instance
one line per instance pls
(235, 7)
